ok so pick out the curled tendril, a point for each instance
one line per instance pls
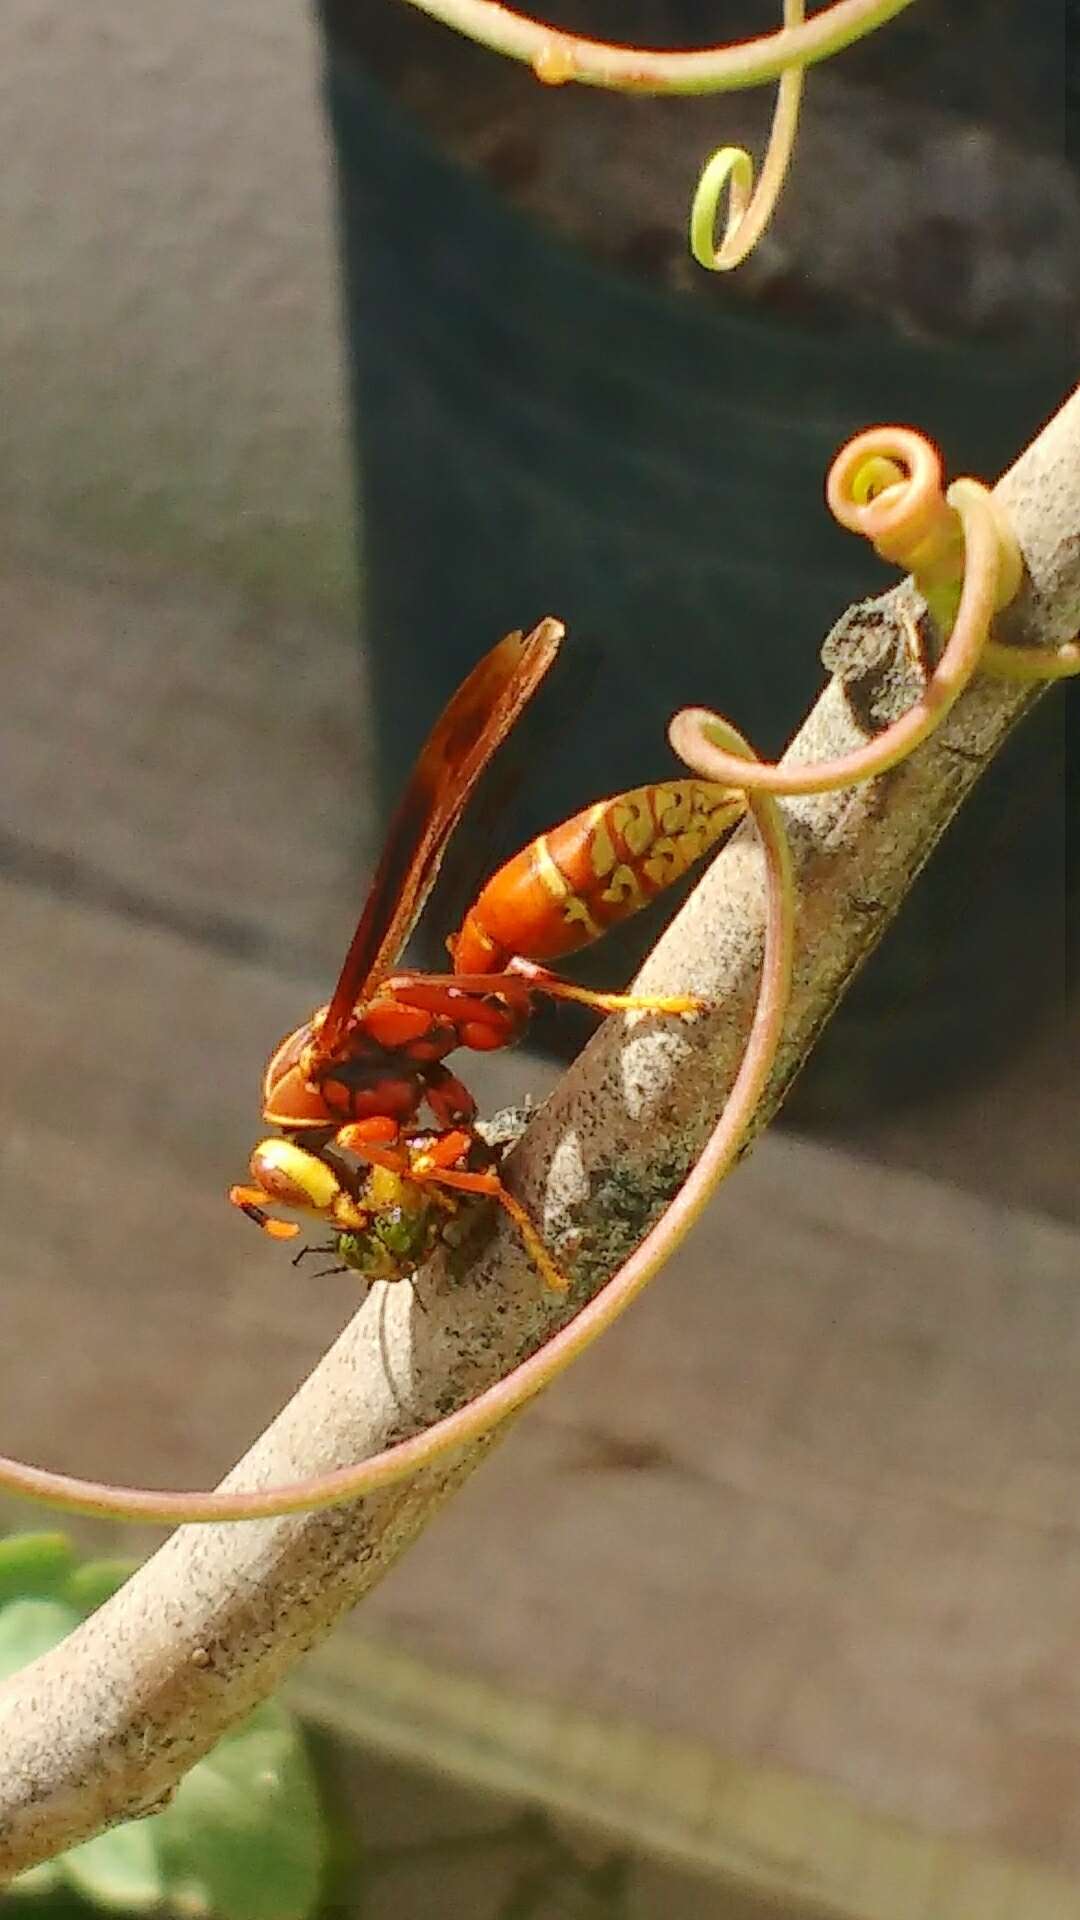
(886, 485)
(496, 1403)
(749, 210)
(558, 59)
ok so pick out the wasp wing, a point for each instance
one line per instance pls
(474, 724)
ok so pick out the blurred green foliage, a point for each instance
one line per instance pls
(243, 1838)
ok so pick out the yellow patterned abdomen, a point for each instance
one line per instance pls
(573, 883)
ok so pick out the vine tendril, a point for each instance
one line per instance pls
(557, 58)
(749, 210)
(886, 484)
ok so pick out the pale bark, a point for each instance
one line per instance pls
(104, 1726)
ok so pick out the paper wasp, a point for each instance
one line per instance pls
(347, 1088)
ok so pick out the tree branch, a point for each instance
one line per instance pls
(103, 1727)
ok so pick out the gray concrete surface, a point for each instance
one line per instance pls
(167, 202)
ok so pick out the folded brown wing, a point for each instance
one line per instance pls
(474, 724)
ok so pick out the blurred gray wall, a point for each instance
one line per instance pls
(169, 349)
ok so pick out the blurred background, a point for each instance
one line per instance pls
(332, 348)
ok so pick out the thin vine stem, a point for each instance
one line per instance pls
(481, 1415)
(950, 677)
(749, 209)
(557, 57)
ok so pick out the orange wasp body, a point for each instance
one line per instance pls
(353, 1079)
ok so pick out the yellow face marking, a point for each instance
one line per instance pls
(548, 872)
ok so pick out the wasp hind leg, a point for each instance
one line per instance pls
(542, 981)
(483, 1026)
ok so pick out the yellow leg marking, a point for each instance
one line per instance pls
(674, 1003)
(534, 1245)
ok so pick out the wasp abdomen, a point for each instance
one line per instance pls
(574, 882)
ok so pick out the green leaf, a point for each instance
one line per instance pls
(29, 1628)
(244, 1836)
(36, 1880)
(89, 1586)
(34, 1565)
(120, 1869)
(56, 1902)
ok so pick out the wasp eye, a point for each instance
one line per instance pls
(293, 1177)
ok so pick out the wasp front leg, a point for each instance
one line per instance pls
(444, 1161)
(523, 978)
(572, 884)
